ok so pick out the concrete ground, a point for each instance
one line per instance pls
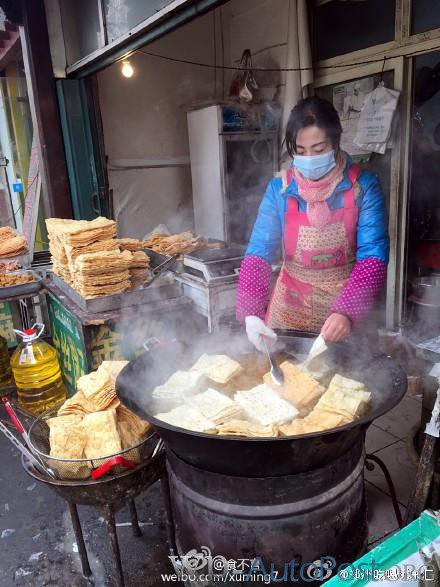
(37, 545)
(387, 439)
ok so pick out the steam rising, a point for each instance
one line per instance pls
(183, 339)
(353, 359)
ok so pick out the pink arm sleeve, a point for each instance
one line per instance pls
(365, 283)
(253, 287)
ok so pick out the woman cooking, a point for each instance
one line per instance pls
(330, 218)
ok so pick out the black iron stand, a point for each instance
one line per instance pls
(169, 518)
(108, 495)
(108, 513)
(370, 462)
(80, 540)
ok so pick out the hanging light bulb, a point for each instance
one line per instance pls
(127, 69)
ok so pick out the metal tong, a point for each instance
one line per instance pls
(25, 451)
(161, 268)
(25, 448)
(275, 371)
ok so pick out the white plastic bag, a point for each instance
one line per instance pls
(374, 125)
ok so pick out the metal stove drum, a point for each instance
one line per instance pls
(282, 499)
(424, 300)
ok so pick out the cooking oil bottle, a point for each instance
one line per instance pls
(37, 372)
(5, 365)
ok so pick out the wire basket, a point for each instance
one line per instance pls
(83, 468)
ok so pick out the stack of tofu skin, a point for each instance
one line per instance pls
(196, 400)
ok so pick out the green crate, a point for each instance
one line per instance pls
(389, 553)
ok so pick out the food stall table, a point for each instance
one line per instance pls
(84, 339)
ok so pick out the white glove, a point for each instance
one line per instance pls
(255, 329)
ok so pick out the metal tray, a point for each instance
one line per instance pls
(24, 289)
(161, 289)
(156, 259)
(217, 255)
(176, 263)
(160, 263)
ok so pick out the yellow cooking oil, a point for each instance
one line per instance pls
(5, 365)
(37, 372)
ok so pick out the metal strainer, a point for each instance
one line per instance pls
(85, 468)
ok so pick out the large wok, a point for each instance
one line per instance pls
(262, 457)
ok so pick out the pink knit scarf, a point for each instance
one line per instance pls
(315, 193)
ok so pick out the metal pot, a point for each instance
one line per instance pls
(260, 457)
(427, 289)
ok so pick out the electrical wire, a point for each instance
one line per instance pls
(15, 212)
(215, 50)
(276, 69)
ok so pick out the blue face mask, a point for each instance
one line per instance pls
(315, 166)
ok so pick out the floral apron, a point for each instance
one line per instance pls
(317, 263)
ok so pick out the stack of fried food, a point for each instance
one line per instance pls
(88, 256)
(55, 232)
(68, 239)
(102, 273)
(129, 244)
(72, 253)
(344, 401)
(11, 243)
(175, 244)
(201, 400)
(139, 269)
(10, 279)
(93, 424)
(140, 265)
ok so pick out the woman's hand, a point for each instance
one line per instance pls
(336, 327)
(256, 329)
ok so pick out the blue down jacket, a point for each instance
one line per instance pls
(372, 232)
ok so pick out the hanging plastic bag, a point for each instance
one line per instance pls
(243, 84)
(376, 117)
